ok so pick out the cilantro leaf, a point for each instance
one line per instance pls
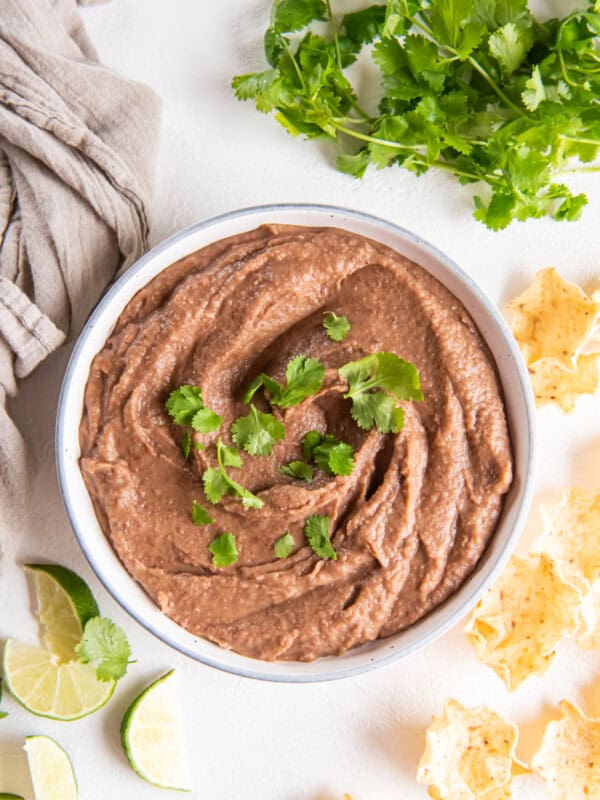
(293, 15)
(215, 484)
(104, 645)
(200, 515)
(183, 403)
(316, 530)
(509, 45)
(309, 441)
(379, 410)
(230, 456)
(337, 328)
(218, 483)
(257, 433)
(334, 456)
(331, 455)
(299, 470)
(186, 445)
(186, 406)
(284, 546)
(304, 377)
(361, 27)
(224, 550)
(398, 379)
(205, 421)
(452, 24)
(354, 164)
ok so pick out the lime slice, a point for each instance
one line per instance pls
(51, 689)
(51, 769)
(152, 736)
(65, 604)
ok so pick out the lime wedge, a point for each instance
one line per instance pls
(152, 736)
(51, 689)
(53, 682)
(65, 604)
(5, 796)
(51, 769)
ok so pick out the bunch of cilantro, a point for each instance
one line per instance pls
(478, 88)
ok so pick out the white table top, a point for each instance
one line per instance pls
(246, 739)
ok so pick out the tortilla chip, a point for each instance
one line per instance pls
(588, 629)
(518, 623)
(571, 537)
(552, 383)
(469, 754)
(569, 757)
(552, 319)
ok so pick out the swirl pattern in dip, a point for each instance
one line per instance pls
(411, 521)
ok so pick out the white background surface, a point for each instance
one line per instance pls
(261, 741)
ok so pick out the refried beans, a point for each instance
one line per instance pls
(408, 525)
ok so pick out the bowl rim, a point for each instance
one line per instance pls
(524, 493)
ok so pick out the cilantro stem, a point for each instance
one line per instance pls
(288, 50)
(563, 67)
(240, 490)
(338, 55)
(462, 173)
(579, 169)
(418, 148)
(334, 34)
(487, 77)
(579, 140)
(357, 107)
(365, 137)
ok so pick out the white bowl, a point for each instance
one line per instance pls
(96, 547)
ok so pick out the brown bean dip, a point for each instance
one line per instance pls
(409, 524)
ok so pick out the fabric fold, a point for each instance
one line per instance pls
(77, 153)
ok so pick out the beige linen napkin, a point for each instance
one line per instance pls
(77, 153)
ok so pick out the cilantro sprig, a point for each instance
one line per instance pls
(104, 645)
(477, 88)
(257, 432)
(316, 530)
(328, 453)
(186, 406)
(217, 481)
(304, 377)
(337, 328)
(375, 384)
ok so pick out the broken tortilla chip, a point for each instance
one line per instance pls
(469, 754)
(569, 757)
(571, 537)
(588, 629)
(552, 319)
(518, 623)
(552, 383)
